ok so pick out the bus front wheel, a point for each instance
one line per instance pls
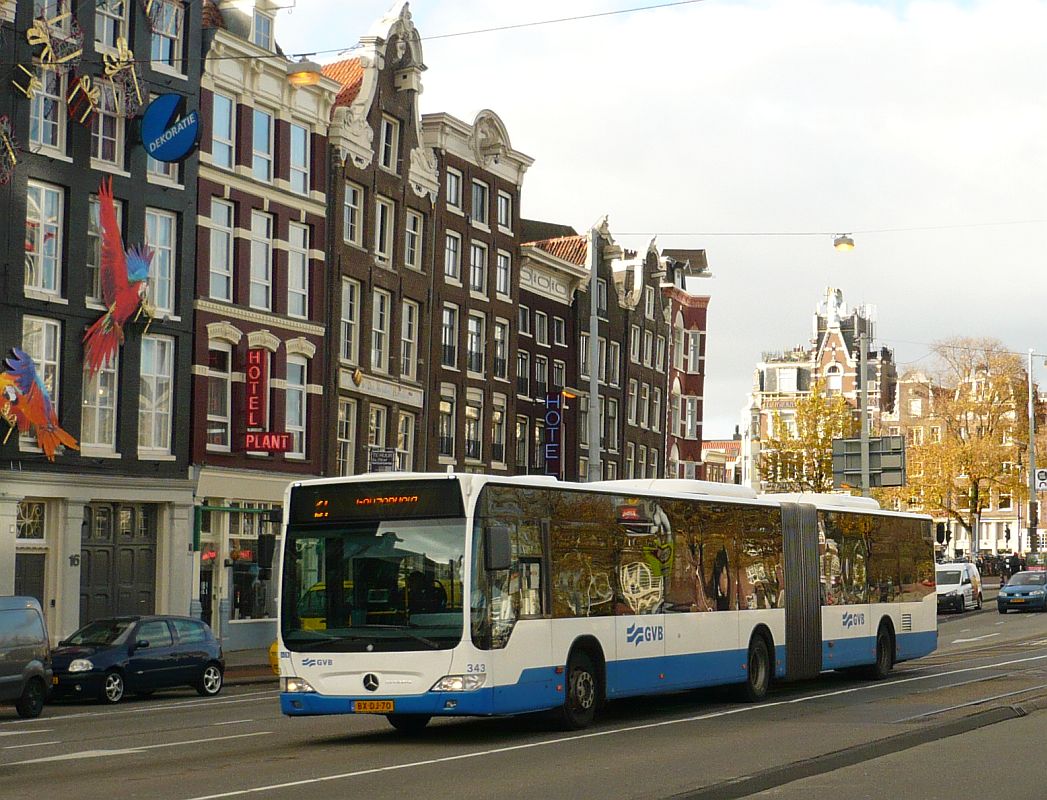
(580, 693)
(408, 723)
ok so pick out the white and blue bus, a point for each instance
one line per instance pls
(416, 595)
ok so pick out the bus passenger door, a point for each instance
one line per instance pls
(639, 633)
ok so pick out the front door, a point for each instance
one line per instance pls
(29, 575)
(117, 561)
(153, 664)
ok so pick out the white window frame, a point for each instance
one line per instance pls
(453, 189)
(261, 258)
(498, 428)
(541, 328)
(262, 160)
(694, 350)
(160, 414)
(645, 405)
(630, 460)
(110, 25)
(222, 235)
(583, 355)
(414, 226)
(405, 422)
(659, 353)
(299, 172)
(107, 125)
(228, 146)
(48, 360)
(634, 343)
(479, 219)
(447, 420)
(474, 423)
(632, 398)
(377, 426)
(262, 30)
(350, 321)
(389, 151)
(381, 316)
(93, 293)
(522, 442)
(601, 297)
(503, 274)
(524, 320)
(345, 436)
(409, 319)
(612, 424)
(648, 349)
(648, 302)
(43, 273)
(353, 214)
(505, 212)
(476, 342)
(477, 267)
(523, 373)
(614, 357)
(656, 409)
(559, 331)
(558, 376)
(225, 417)
(449, 335)
(501, 349)
(163, 269)
(384, 227)
(100, 396)
(169, 26)
(298, 270)
(296, 427)
(48, 112)
(453, 265)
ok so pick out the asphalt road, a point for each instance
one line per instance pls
(861, 739)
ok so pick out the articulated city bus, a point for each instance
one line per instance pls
(415, 595)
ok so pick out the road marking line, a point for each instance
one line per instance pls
(174, 705)
(975, 638)
(132, 750)
(34, 744)
(579, 737)
(231, 722)
(25, 733)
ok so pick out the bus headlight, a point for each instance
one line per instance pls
(296, 685)
(459, 683)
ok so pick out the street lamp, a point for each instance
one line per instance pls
(303, 73)
(843, 242)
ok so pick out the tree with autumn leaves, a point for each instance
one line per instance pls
(798, 458)
(979, 405)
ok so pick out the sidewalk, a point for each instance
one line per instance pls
(248, 666)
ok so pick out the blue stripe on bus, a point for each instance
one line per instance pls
(541, 688)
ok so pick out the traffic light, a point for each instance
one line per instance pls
(940, 533)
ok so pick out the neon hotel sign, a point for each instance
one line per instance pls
(256, 439)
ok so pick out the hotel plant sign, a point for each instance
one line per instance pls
(257, 379)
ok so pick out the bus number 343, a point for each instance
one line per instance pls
(476, 668)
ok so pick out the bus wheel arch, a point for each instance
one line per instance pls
(768, 637)
(585, 681)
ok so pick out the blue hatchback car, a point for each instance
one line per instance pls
(1024, 590)
(108, 658)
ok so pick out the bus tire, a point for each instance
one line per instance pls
(581, 692)
(411, 724)
(881, 668)
(757, 671)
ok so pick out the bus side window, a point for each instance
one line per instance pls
(529, 587)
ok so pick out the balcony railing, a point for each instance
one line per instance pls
(499, 367)
(449, 355)
(523, 386)
(498, 453)
(475, 362)
(472, 448)
(446, 445)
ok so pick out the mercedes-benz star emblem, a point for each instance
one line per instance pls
(371, 682)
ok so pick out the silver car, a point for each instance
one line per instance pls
(25, 656)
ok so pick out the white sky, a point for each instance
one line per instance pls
(772, 116)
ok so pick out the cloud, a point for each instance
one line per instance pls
(765, 116)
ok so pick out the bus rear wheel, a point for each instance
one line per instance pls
(881, 668)
(409, 723)
(757, 671)
(580, 693)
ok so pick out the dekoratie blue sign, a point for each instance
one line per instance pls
(166, 138)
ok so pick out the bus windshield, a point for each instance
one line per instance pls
(374, 586)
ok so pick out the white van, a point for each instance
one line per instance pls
(959, 586)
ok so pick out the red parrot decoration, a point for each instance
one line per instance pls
(124, 282)
(25, 403)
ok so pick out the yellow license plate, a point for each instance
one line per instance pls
(1017, 599)
(54, 680)
(373, 706)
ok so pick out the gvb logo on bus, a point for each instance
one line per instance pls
(853, 620)
(638, 634)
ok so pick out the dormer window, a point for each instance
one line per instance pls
(390, 143)
(262, 30)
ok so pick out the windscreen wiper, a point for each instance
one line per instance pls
(404, 629)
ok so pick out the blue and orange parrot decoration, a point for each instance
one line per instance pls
(124, 277)
(25, 403)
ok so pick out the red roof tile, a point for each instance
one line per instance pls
(349, 73)
(574, 249)
(731, 447)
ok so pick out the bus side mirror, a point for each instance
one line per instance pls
(498, 553)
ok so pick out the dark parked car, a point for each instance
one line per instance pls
(109, 657)
(25, 655)
(1024, 590)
